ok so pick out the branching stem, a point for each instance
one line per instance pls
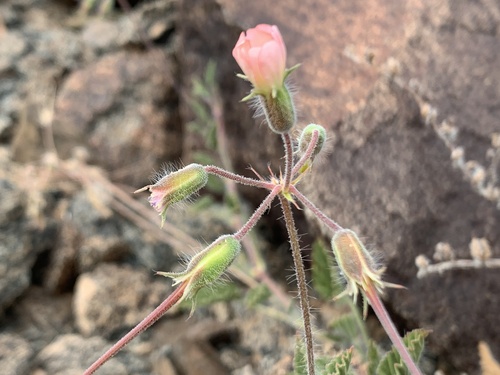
(301, 281)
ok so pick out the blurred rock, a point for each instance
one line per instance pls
(112, 299)
(39, 317)
(123, 109)
(15, 354)
(71, 354)
(16, 256)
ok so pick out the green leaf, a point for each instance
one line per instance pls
(392, 364)
(321, 271)
(257, 295)
(339, 365)
(299, 357)
(344, 329)
(373, 358)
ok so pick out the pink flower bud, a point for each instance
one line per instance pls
(261, 54)
(175, 187)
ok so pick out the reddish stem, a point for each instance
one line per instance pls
(237, 178)
(386, 321)
(287, 141)
(258, 213)
(315, 210)
(308, 153)
(156, 314)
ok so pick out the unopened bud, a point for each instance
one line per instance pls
(358, 266)
(279, 110)
(306, 136)
(175, 187)
(207, 266)
(352, 257)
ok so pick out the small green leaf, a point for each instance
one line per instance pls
(344, 328)
(299, 357)
(339, 365)
(321, 271)
(373, 358)
(392, 364)
(257, 295)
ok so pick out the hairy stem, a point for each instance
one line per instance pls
(156, 314)
(287, 142)
(237, 178)
(258, 213)
(308, 153)
(390, 329)
(301, 281)
(315, 210)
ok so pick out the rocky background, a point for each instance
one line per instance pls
(91, 104)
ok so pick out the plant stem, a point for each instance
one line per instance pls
(315, 210)
(237, 178)
(308, 153)
(287, 142)
(301, 281)
(386, 321)
(149, 320)
(258, 213)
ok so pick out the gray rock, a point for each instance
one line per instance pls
(112, 299)
(71, 354)
(15, 356)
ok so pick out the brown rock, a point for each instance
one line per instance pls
(112, 299)
(123, 109)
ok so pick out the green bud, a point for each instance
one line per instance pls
(209, 265)
(279, 110)
(175, 187)
(306, 136)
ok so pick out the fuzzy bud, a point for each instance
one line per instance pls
(175, 187)
(279, 110)
(358, 266)
(306, 136)
(207, 266)
(352, 257)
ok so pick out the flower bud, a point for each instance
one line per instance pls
(279, 111)
(261, 54)
(357, 266)
(207, 266)
(306, 136)
(175, 187)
